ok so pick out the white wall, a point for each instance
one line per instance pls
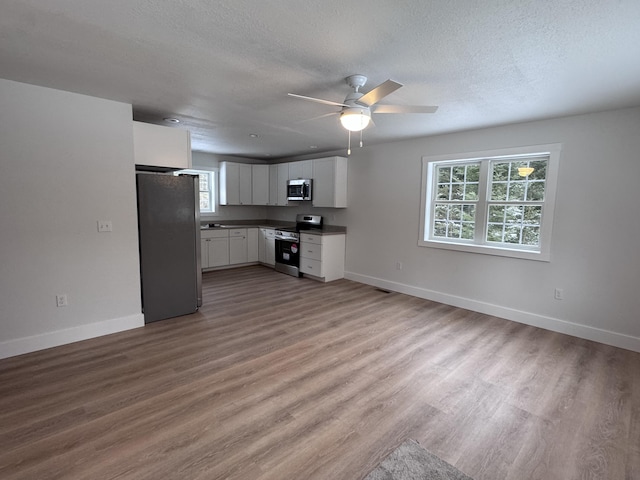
(596, 229)
(66, 162)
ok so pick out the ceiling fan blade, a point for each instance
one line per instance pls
(378, 93)
(403, 109)
(318, 100)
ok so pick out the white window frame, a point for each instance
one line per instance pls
(429, 164)
(213, 192)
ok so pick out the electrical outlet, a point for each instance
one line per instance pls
(558, 294)
(61, 300)
(104, 226)
(398, 265)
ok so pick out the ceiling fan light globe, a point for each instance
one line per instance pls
(355, 119)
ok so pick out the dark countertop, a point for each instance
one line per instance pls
(275, 224)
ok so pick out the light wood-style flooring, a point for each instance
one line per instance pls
(284, 378)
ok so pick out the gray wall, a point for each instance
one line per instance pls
(66, 162)
(595, 234)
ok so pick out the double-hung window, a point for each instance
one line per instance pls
(207, 183)
(498, 202)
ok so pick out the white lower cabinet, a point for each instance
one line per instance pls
(252, 244)
(238, 246)
(214, 250)
(322, 256)
(267, 246)
(224, 247)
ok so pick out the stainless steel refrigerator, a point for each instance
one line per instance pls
(169, 237)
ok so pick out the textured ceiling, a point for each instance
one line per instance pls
(225, 67)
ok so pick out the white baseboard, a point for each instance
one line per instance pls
(19, 346)
(607, 337)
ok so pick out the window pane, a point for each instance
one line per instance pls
(457, 191)
(535, 191)
(500, 171)
(471, 191)
(531, 236)
(512, 234)
(439, 229)
(473, 173)
(539, 170)
(205, 204)
(513, 214)
(496, 214)
(455, 212)
(457, 173)
(443, 192)
(204, 181)
(499, 191)
(516, 191)
(494, 233)
(444, 174)
(532, 215)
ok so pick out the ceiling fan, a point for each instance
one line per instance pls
(357, 107)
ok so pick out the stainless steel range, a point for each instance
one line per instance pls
(288, 244)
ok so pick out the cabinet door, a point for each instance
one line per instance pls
(262, 252)
(218, 252)
(330, 182)
(160, 146)
(229, 183)
(245, 184)
(273, 184)
(252, 244)
(270, 248)
(302, 169)
(204, 253)
(260, 184)
(283, 177)
(238, 250)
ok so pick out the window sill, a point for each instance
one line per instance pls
(487, 250)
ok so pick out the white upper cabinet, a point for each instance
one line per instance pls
(235, 184)
(302, 169)
(260, 184)
(329, 182)
(281, 184)
(161, 147)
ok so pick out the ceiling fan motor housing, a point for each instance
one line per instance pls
(356, 81)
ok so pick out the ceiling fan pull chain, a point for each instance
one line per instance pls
(360, 138)
(349, 147)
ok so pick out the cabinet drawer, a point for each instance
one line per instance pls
(311, 250)
(214, 233)
(269, 233)
(307, 237)
(312, 267)
(238, 232)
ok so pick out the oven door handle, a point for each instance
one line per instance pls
(286, 239)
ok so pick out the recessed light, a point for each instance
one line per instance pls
(313, 146)
(253, 135)
(171, 120)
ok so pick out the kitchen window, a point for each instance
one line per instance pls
(498, 202)
(207, 182)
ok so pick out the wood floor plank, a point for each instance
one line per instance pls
(281, 377)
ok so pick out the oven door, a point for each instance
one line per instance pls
(287, 256)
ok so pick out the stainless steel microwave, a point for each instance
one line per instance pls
(299, 189)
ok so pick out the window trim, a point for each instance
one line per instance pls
(552, 150)
(215, 203)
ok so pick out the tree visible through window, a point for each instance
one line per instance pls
(495, 204)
